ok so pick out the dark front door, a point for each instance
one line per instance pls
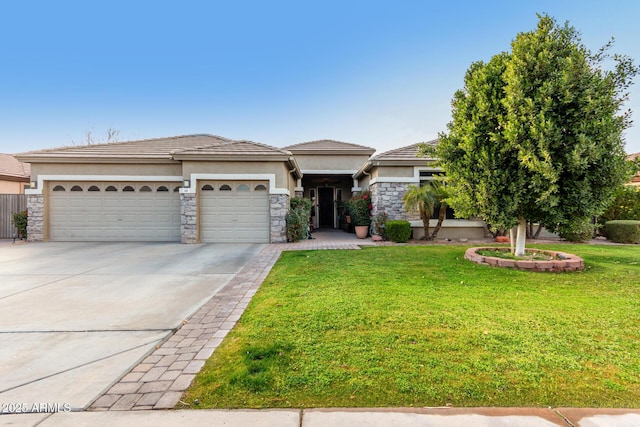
(325, 206)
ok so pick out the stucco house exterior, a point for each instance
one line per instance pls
(635, 180)
(14, 175)
(206, 188)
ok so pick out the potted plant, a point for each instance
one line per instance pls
(360, 210)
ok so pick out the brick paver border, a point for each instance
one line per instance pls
(159, 381)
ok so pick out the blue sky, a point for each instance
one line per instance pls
(376, 73)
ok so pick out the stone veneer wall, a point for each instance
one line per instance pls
(188, 217)
(278, 209)
(387, 197)
(35, 221)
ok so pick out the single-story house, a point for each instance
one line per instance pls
(206, 188)
(14, 175)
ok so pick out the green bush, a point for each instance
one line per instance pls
(578, 231)
(20, 221)
(623, 231)
(298, 219)
(625, 205)
(398, 231)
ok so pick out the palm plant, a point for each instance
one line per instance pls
(423, 200)
(440, 192)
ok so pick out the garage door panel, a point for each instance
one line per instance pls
(234, 216)
(113, 215)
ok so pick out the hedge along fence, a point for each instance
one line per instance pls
(623, 231)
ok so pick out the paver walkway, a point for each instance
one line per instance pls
(159, 381)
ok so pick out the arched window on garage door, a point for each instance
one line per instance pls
(59, 188)
(225, 187)
(128, 189)
(111, 188)
(162, 188)
(260, 187)
(243, 187)
(76, 188)
(94, 188)
(207, 188)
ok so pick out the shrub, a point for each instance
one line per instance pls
(398, 231)
(298, 219)
(578, 231)
(623, 231)
(625, 205)
(20, 221)
(380, 224)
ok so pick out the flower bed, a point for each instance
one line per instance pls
(561, 262)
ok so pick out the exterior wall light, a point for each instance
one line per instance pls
(186, 183)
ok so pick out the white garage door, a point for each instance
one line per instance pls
(235, 211)
(114, 211)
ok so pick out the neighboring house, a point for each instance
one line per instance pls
(205, 188)
(14, 175)
(636, 179)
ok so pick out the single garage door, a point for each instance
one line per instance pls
(235, 211)
(114, 211)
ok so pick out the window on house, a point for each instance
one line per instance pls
(207, 188)
(260, 187)
(76, 188)
(225, 188)
(177, 189)
(111, 188)
(93, 188)
(128, 188)
(162, 188)
(243, 187)
(59, 188)
(145, 188)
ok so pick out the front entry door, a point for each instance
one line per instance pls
(326, 208)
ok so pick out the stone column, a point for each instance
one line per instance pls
(188, 218)
(278, 209)
(387, 197)
(35, 220)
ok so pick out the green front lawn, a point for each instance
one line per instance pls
(421, 326)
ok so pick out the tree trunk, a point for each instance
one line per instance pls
(537, 233)
(425, 224)
(521, 237)
(442, 213)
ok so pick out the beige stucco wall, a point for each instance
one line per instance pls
(12, 187)
(334, 162)
(280, 169)
(162, 169)
(393, 171)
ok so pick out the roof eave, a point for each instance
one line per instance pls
(232, 157)
(128, 159)
(353, 152)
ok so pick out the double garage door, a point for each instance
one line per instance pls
(114, 211)
(234, 211)
(229, 211)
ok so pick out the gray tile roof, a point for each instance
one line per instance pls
(146, 148)
(408, 152)
(329, 145)
(234, 148)
(10, 167)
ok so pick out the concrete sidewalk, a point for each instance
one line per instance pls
(406, 417)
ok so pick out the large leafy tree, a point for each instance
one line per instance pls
(536, 133)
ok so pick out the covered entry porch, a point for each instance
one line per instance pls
(328, 193)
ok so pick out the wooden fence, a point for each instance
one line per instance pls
(10, 204)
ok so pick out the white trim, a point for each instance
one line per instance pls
(271, 177)
(100, 178)
(356, 189)
(329, 172)
(415, 179)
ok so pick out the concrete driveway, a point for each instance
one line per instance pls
(74, 317)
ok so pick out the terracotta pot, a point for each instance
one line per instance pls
(362, 231)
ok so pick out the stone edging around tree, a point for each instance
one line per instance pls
(567, 262)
